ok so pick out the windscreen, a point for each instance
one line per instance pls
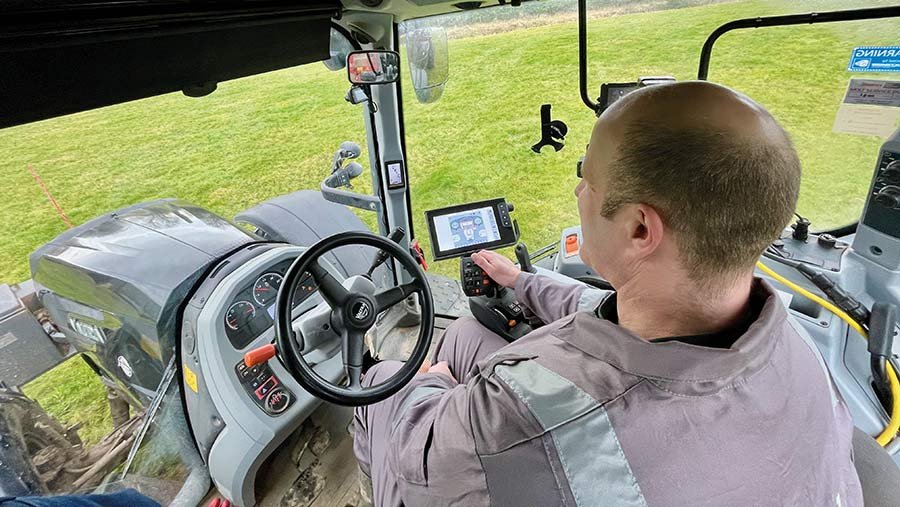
(506, 63)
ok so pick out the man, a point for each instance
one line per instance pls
(688, 386)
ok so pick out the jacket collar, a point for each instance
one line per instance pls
(682, 367)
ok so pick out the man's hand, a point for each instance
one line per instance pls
(441, 367)
(498, 267)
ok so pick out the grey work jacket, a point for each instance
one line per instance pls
(582, 412)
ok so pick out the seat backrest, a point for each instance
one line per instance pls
(878, 473)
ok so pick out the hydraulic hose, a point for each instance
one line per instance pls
(894, 424)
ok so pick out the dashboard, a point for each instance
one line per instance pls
(240, 413)
(252, 310)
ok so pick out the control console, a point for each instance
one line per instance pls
(264, 388)
(878, 235)
(496, 307)
(475, 281)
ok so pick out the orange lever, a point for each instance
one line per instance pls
(259, 356)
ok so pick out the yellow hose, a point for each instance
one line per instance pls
(894, 425)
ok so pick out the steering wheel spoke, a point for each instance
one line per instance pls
(354, 350)
(390, 297)
(331, 289)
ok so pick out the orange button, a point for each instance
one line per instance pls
(512, 323)
(571, 245)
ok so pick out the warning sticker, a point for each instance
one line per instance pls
(190, 378)
(875, 59)
(873, 92)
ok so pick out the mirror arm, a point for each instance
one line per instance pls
(352, 199)
(358, 93)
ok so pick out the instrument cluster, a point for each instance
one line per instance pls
(252, 311)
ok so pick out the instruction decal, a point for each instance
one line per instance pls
(870, 107)
(875, 59)
(873, 92)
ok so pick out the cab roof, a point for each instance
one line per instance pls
(64, 56)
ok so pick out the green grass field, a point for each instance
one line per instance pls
(259, 137)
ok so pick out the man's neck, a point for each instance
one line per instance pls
(679, 308)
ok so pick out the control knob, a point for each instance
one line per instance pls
(889, 196)
(277, 401)
(891, 173)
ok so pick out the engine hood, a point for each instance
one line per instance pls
(115, 284)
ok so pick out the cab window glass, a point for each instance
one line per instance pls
(506, 62)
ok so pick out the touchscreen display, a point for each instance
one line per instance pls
(395, 174)
(466, 228)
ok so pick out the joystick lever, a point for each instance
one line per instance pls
(382, 256)
(524, 259)
(475, 280)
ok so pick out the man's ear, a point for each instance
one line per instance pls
(647, 230)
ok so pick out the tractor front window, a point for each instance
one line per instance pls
(475, 142)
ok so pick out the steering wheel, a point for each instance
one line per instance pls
(352, 314)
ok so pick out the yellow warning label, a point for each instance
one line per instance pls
(190, 378)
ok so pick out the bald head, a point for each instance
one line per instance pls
(696, 105)
(718, 168)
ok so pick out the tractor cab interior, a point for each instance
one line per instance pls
(262, 326)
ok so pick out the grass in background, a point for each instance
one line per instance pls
(263, 136)
(489, 114)
(259, 137)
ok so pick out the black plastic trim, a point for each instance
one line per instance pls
(792, 19)
(402, 122)
(582, 58)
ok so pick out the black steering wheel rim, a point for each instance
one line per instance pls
(344, 319)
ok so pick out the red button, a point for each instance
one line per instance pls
(266, 387)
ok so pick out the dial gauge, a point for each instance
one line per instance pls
(239, 314)
(266, 288)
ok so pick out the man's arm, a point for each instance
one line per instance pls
(547, 298)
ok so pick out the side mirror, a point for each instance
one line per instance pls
(373, 67)
(429, 62)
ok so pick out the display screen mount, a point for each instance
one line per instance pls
(460, 230)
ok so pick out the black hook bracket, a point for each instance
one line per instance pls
(552, 131)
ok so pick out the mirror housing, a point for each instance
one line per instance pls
(338, 49)
(373, 67)
(429, 62)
